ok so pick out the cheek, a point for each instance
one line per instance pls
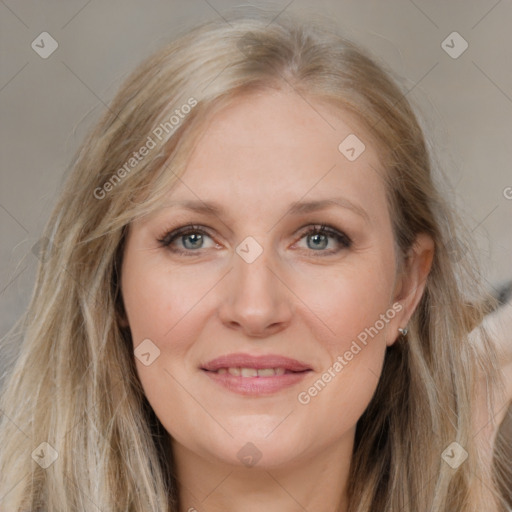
(348, 299)
(344, 386)
(339, 401)
(160, 309)
(354, 305)
(157, 298)
(163, 306)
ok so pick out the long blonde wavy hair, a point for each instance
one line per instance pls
(74, 385)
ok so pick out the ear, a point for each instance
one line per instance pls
(410, 282)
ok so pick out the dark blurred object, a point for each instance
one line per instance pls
(504, 293)
(499, 297)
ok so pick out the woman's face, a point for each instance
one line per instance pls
(249, 285)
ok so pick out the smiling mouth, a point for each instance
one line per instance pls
(254, 372)
(255, 381)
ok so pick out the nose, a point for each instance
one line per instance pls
(256, 300)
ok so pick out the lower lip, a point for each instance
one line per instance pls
(257, 385)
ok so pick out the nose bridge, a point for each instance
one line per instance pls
(253, 280)
(255, 298)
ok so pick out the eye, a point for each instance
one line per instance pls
(318, 239)
(191, 237)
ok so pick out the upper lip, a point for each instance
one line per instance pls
(258, 362)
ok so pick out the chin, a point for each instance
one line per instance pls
(258, 451)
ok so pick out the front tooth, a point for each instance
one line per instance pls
(280, 371)
(234, 371)
(266, 372)
(249, 372)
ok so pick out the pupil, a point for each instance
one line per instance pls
(315, 237)
(193, 236)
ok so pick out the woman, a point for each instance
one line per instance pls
(247, 299)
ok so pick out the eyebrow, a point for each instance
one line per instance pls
(296, 208)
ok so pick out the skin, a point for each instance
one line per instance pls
(258, 156)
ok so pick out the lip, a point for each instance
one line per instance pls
(296, 372)
(240, 360)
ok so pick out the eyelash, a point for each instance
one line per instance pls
(318, 229)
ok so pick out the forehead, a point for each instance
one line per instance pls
(270, 147)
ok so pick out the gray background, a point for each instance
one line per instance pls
(48, 105)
